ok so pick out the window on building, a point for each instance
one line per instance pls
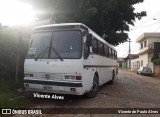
(145, 44)
(141, 45)
(141, 63)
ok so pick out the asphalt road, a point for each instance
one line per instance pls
(129, 91)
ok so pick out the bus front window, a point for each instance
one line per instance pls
(40, 41)
(67, 43)
(63, 44)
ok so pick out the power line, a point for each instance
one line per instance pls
(144, 26)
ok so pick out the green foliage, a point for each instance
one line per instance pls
(155, 60)
(13, 102)
(103, 16)
(10, 48)
(8, 97)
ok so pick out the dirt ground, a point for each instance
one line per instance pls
(129, 91)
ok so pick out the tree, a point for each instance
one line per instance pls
(106, 17)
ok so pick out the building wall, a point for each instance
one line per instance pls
(142, 46)
(152, 40)
(144, 58)
(157, 71)
(145, 52)
(124, 64)
(148, 41)
(135, 64)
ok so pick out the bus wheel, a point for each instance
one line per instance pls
(113, 77)
(93, 92)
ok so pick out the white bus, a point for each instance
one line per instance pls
(68, 58)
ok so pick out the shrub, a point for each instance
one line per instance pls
(156, 61)
(10, 48)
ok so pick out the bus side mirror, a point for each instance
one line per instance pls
(89, 40)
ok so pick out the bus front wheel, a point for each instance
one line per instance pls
(93, 92)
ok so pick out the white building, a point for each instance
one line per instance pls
(133, 60)
(148, 43)
(135, 64)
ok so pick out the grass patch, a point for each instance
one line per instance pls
(8, 94)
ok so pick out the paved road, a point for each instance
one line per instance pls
(129, 91)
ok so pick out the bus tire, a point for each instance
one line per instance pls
(94, 90)
(113, 77)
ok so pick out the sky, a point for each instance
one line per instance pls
(14, 13)
(146, 24)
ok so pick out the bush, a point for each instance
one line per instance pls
(10, 48)
(156, 61)
(8, 95)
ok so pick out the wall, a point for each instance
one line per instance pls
(135, 64)
(149, 42)
(124, 65)
(144, 58)
(152, 40)
(144, 48)
(157, 71)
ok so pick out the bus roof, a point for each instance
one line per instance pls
(72, 25)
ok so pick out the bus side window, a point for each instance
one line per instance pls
(115, 55)
(109, 52)
(106, 51)
(94, 46)
(100, 48)
(112, 54)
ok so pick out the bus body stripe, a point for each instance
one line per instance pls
(85, 66)
(53, 83)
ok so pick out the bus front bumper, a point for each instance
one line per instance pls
(74, 88)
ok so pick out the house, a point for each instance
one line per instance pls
(149, 44)
(131, 61)
(120, 60)
(135, 64)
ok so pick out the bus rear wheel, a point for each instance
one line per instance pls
(94, 90)
(113, 77)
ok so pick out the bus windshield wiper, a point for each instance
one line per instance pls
(42, 53)
(57, 53)
(46, 50)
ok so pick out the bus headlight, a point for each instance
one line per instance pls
(72, 77)
(69, 77)
(29, 75)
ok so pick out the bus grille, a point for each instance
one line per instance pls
(54, 76)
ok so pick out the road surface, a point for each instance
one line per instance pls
(129, 91)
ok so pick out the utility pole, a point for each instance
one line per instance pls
(129, 40)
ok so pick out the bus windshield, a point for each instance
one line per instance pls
(60, 44)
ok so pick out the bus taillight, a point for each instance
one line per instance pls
(78, 77)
